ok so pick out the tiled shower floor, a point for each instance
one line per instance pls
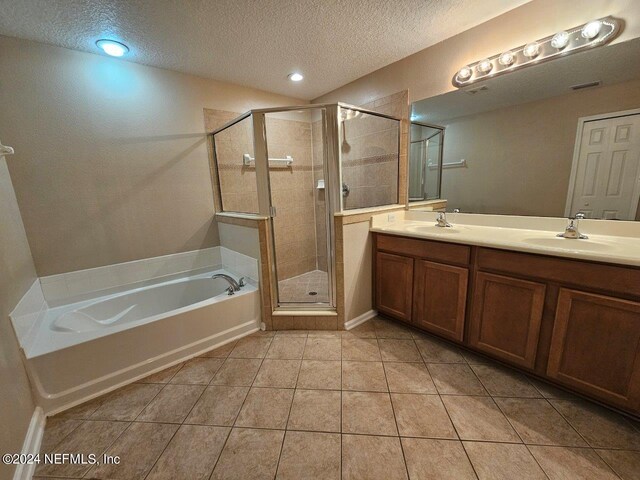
(300, 289)
(378, 402)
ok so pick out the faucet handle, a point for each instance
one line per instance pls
(580, 216)
(456, 210)
(241, 282)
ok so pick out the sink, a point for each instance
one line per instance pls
(432, 229)
(570, 244)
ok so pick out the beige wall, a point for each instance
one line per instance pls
(519, 157)
(111, 160)
(18, 274)
(429, 72)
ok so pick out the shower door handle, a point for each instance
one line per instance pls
(345, 190)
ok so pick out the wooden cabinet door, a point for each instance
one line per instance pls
(595, 346)
(439, 298)
(505, 317)
(394, 283)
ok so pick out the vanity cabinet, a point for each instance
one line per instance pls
(506, 316)
(573, 322)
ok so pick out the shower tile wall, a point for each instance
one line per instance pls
(370, 153)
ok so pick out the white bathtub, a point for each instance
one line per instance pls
(84, 349)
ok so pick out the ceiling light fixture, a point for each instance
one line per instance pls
(296, 77)
(112, 48)
(588, 35)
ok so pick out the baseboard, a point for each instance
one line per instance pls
(31, 445)
(360, 319)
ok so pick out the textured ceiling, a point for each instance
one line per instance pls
(611, 64)
(255, 43)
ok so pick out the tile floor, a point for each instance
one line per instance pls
(297, 289)
(378, 402)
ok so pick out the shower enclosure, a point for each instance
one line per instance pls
(299, 166)
(425, 161)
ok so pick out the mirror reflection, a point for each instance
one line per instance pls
(552, 140)
(425, 159)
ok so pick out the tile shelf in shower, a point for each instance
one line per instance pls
(249, 161)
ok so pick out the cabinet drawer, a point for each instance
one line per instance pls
(436, 251)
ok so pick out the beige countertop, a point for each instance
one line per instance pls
(523, 234)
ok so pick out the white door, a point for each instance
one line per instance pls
(607, 175)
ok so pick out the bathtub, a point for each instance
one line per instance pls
(84, 349)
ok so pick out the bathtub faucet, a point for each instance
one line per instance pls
(234, 285)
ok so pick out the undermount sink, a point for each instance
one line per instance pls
(432, 229)
(573, 244)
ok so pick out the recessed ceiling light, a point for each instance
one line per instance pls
(296, 77)
(112, 48)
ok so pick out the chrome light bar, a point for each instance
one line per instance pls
(588, 35)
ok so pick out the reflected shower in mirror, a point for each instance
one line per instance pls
(425, 159)
(555, 139)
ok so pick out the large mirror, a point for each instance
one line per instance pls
(551, 140)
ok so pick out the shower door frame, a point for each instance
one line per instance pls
(331, 169)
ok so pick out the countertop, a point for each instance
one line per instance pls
(620, 248)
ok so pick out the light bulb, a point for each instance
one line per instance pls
(560, 40)
(484, 66)
(531, 50)
(465, 73)
(591, 29)
(296, 77)
(506, 59)
(112, 48)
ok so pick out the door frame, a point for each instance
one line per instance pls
(576, 156)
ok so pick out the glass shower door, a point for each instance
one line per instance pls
(301, 237)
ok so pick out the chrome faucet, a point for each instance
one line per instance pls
(571, 230)
(234, 285)
(441, 220)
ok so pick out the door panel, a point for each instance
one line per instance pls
(394, 282)
(596, 346)
(607, 182)
(440, 296)
(505, 317)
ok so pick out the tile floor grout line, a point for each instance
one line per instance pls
(293, 398)
(233, 423)
(393, 411)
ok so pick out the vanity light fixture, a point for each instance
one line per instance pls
(588, 35)
(485, 66)
(531, 50)
(296, 77)
(465, 73)
(560, 40)
(112, 48)
(591, 29)
(505, 59)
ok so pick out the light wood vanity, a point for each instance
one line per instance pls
(573, 322)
